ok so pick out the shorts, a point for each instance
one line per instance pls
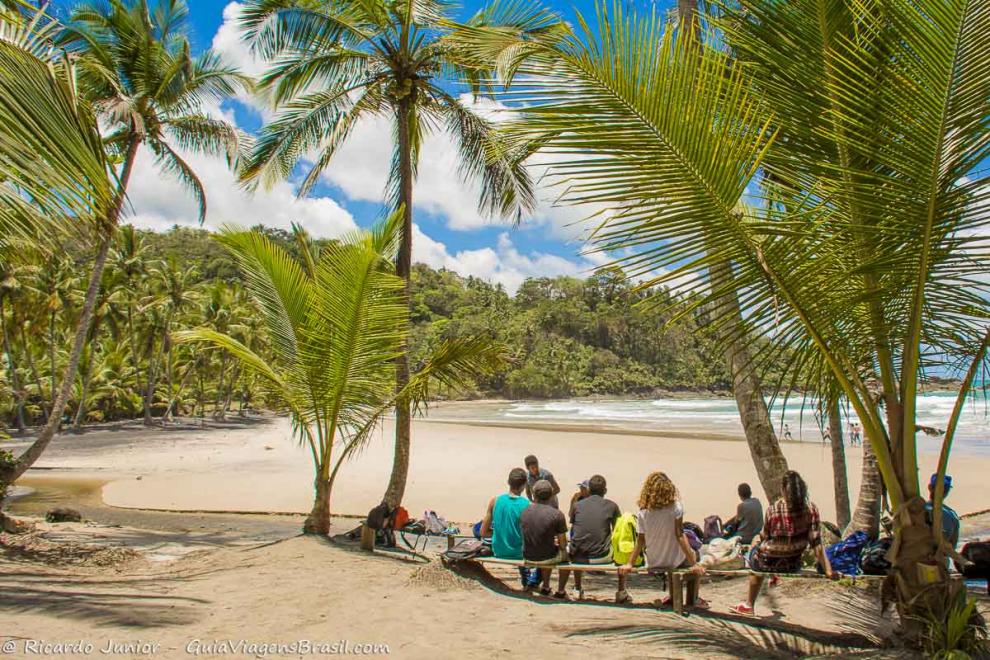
(579, 558)
(761, 562)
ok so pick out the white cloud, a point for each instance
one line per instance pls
(502, 264)
(159, 201)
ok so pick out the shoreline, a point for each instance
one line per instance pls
(256, 469)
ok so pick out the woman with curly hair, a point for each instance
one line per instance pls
(660, 527)
(792, 524)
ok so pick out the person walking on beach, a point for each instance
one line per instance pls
(536, 473)
(787, 432)
(748, 520)
(592, 520)
(501, 523)
(544, 532)
(660, 526)
(792, 525)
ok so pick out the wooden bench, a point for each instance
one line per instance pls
(675, 577)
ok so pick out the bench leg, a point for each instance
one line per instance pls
(693, 582)
(367, 539)
(450, 542)
(676, 592)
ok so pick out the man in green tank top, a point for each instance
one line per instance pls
(501, 522)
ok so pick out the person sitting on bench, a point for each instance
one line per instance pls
(544, 531)
(748, 520)
(501, 523)
(792, 524)
(592, 520)
(660, 534)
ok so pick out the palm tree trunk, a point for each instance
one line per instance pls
(12, 367)
(747, 387)
(149, 392)
(10, 474)
(403, 267)
(86, 377)
(318, 521)
(769, 460)
(866, 517)
(839, 474)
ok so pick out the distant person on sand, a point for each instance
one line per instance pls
(792, 524)
(787, 432)
(544, 531)
(857, 438)
(950, 519)
(592, 520)
(536, 473)
(501, 523)
(748, 520)
(660, 526)
(582, 492)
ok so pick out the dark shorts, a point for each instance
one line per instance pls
(585, 559)
(761, 562)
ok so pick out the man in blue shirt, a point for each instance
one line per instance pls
(501, 523)
(950, 519)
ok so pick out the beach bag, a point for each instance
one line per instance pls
(713, 528)
(845, 555)
(624, 539)
(468, 549)
(874, 561)
(723, 553)
(434, 523)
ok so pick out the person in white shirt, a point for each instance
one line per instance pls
(660, 526)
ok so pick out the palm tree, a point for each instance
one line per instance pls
(840, 476)
(335, 335)
(134, 67)
(174, 295)
(864, 256)
(53, 169)
(336, 63)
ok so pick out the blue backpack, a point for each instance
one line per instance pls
(845, 555)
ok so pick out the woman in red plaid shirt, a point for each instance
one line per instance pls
(791, 525)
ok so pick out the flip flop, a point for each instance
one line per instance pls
(701, 604)
(743, 609)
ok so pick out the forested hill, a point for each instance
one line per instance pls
(569, 336)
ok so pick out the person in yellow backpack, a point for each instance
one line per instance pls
(623, 544)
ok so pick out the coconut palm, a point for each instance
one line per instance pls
(335, 336)
(53, 168)
(336, 63)
(134, 67)
(860, 127)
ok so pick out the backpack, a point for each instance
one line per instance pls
(400, 517)
(693, 540)
(874, 560)
(434, 523)
(624, 539)
(845, 555)
(713, 528)
(691, 527)
(468, 549)
(977, 552)
(379, 517)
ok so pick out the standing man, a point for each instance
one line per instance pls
(950, 519)
(536, 473)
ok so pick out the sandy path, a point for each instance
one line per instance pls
(454, 469)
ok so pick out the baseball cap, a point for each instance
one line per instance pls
(542, 490)
(934, 479)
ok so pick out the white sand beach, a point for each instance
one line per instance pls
(455, 468)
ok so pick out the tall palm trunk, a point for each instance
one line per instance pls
(153, 367)
(866, 517)
(840, 478)
(10, 474)
(34, 373)
(747, 387)
(403, 267)
(12, 367)
(84, 393)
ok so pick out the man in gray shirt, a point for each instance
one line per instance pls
(748, 521)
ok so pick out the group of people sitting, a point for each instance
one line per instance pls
(526, 523)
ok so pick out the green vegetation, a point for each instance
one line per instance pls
(568, 337)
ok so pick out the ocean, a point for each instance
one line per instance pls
(721, 416)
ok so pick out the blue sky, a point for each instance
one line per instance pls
(450, 232)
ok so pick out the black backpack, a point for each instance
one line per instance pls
(977, 552)
(874, 558)
(468, 549)
(380, 517)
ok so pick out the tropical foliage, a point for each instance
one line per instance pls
(337, 321)
(832, 154)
